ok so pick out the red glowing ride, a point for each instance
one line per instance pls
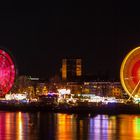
(7, 72)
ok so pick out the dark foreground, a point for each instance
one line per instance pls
(112, 108)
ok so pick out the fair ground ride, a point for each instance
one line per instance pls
(130, 73)
(7, 72)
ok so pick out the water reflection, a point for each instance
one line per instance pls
(13, 126)
(51, 126)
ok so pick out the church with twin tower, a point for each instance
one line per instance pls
(71, 69)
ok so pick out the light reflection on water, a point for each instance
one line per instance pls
(51, 126)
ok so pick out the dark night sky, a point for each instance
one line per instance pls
(39, 35)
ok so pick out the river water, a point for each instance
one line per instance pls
(57, 126)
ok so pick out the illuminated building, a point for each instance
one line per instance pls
(113, 89)
(71, 69)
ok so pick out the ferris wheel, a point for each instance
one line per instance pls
(130, 73)
(7, 72)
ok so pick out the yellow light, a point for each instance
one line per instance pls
(136, 96)
(19, 126)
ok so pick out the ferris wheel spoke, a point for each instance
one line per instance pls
(137, 85)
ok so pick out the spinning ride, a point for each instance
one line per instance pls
(7, 72)
(130, 73)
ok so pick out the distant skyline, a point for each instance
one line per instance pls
(40, 35)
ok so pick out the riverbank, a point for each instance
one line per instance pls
(80, 108)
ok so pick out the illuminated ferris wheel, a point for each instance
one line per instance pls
(130, 73)
(7, 72)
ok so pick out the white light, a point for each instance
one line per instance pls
(34, 78)
(68, 91)
(15, 96)
(64, 91)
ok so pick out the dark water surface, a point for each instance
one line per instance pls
(51, 126)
